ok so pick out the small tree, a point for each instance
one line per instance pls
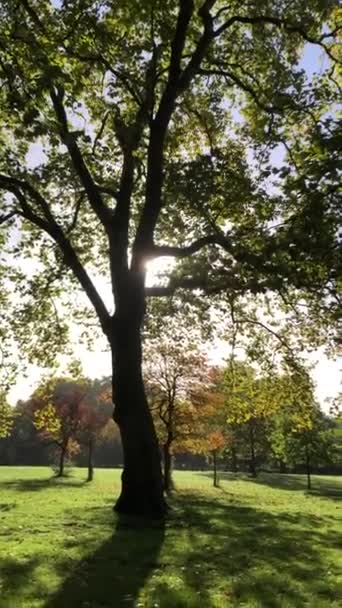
(58, 407)
(174, 372)
(95, 416)
(209, 433)
(300, 433)
(251, 400)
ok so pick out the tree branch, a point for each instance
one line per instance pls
(23, 185)
(280, 23)
(242, 85)
(176, 83)
(183, 252)
(193, 283)
(69, 139)
(8, 216)
(56, 233)
(266, 328)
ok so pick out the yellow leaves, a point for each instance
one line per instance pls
(46, 419)
(6, 420)
(302, 421)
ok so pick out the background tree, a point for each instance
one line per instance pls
(6, 417)
(208, 435)
(251, 400)
(58, 407)
(302, 434)
(95, 418)
(144, 117)
(173, 371)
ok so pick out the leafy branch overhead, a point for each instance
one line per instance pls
(134, 129)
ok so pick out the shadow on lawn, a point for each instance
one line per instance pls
(253, 556)
(245, 554)
(321, 486)
(13, 575)
(33, 485)
(113, 575)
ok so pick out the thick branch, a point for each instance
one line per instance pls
(183, 252)
(193, 283)
(69, 139)
(158, 131)
(23, 185)
(70, 256)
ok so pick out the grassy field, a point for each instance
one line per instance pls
(264, 543)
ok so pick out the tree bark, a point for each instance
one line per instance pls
(308, 467)
(167, 456)
(142, 480)
(61, 461)
(234, 460)
(90, 460)
(282, 466)
(216, 481)
(252, 463)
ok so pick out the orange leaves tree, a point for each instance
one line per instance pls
(175, 371)
(207, 432)
(96, 419)
(67, 414)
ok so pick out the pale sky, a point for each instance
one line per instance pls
(326, 375)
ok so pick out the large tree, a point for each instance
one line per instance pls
(143, 116)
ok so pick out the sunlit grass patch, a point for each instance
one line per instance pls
(263, 543)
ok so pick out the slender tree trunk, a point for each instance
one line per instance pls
(90, 460)
(282, 467)
(216, 480)
(167, 456)
(234, 460)
(308, 467)
(142, 479)
(61, 460)
(252, 463)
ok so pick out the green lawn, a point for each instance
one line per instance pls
(266, 543)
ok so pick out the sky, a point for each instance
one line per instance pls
(326, 373)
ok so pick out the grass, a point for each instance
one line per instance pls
(264, 543)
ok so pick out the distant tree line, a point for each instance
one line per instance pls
(233, 418)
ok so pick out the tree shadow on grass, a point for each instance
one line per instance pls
(321, 486)
(113, 575)
(13, 575)
(251, 556)
(34, 485)
(211, 550)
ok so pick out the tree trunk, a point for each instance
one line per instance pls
(234, 460)
(167, 456)
(282, 466)
(216, 480)
(252, 463)
(142, 479)
(308, 467)
(90, 460)
(61, 461)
